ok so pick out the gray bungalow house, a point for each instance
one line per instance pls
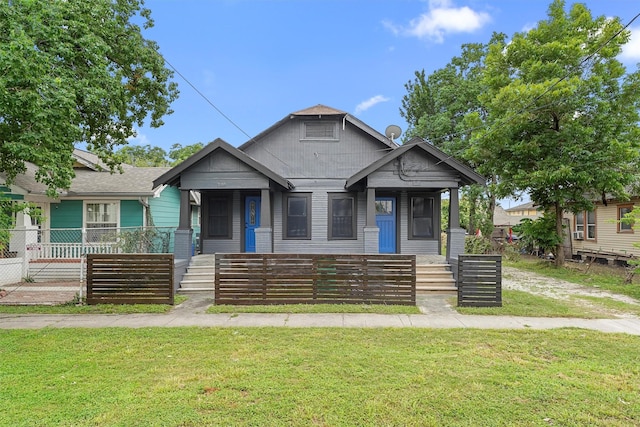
(320, 181)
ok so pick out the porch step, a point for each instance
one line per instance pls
(435, 278)
(200, 275)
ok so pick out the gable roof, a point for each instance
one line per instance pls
(93, 178)
(172, 176)
(320, 110)
(468, 175)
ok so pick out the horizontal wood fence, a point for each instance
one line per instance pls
(130, 279)
(479, 281)
(244, 279)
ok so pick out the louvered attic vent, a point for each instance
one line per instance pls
(320, 130)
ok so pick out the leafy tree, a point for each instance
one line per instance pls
(435, 107)
(562, 113)
(75, 71)
(178, 153)
(143, 156)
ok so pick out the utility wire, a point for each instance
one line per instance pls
(206, 99)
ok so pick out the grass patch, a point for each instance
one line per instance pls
(611, 304)
(301, 377)
(316, 308)
(520, 303)
(75, 308)
(603, 277)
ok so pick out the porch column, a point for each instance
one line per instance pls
(264, 233)
(371, 231)
(455, 234)
(183, 237)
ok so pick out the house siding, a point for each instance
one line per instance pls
(165, 209)
(407, 246)
(287, 154)
(608, 239)
(234, 244)
(319, 242)
(66, 214)
(131, 213)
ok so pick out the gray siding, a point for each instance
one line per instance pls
(284, 152)
(319, 242)
(418, 246)
(220, 171)
(234, 244)
(410, 171)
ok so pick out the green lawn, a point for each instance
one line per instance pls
(75, 308)
(325, 377)
(520, 303)
(316, 308)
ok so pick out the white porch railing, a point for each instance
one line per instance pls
(37, 251)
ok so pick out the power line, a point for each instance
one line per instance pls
(206, 99)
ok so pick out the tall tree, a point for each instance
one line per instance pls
(435, 108)
(562, 120)
(143, 156)
(178, 153)
(75, 71)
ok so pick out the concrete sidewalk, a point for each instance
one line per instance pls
(435, 314)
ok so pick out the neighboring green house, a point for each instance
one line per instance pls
(100, 212)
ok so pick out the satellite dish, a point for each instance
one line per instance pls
(392, 132)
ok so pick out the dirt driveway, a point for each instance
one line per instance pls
(536, 284)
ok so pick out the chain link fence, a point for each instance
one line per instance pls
(42, 262)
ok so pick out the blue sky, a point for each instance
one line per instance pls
(257, 61)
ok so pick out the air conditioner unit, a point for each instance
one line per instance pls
(578, 235)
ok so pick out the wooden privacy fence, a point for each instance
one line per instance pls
(244, 279)
(130, 279)
(480, 281)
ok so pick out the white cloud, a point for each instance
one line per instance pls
(138, 139)
(442, 18)
(631, 50)
(365, 105)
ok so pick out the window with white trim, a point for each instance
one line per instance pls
(626, 226)
(585, 221)
(100, 220)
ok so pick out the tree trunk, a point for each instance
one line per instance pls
(559, 255)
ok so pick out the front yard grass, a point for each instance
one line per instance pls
(316, 308)
(520, 303)
(75, 308)
(330, 377)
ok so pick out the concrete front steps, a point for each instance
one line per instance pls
(435, 278)
(200, 275)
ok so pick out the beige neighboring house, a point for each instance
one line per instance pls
(505, 219)
(599, 234)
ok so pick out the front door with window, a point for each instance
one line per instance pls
(386, 222)
(251, 222)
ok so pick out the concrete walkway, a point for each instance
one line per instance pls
(435, 314)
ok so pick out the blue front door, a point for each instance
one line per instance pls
(251, 222)
(386, 222)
